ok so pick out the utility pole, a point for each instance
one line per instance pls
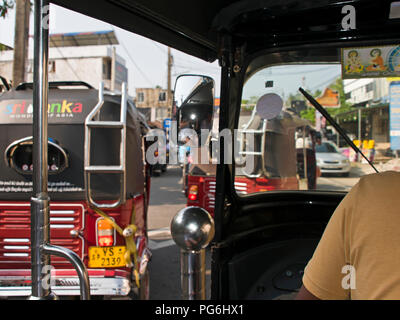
(21, 40)
(169, 81)
(113, 68)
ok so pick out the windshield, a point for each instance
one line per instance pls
(298, 149)
(325, 148)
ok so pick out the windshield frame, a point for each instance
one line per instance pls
(254, 62)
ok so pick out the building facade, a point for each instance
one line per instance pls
(88, 57)
(370, 118)
(154, 103)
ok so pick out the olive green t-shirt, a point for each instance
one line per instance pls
(358, 256)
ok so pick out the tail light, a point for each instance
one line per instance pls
(193, 191)
(105, 233)
(156, 153)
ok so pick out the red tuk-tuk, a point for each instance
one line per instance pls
(98, 184)
(284, 134)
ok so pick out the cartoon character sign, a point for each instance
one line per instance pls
(354, 64)
(371, 62)
(377, 63)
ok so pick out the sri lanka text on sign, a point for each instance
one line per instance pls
(371, 62)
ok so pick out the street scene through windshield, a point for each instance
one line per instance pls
(359, 106)
(151, 154)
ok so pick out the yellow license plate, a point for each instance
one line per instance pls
(107, 257)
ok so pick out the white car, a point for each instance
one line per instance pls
(330, 160)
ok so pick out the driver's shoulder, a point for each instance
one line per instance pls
(378, 187)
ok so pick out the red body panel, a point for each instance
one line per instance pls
(15, 230)
(243, 185)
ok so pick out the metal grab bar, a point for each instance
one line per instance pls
(92, 121)
(40, 202)
(261, 153)
(193, 229)
(79, 266)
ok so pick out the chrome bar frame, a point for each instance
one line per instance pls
(260, 153)
(40, 202)
(93, 121)
(76, 262)
(193, 274)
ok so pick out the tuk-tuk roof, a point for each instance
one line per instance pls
(192, 27)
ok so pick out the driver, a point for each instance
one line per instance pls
(358, 256)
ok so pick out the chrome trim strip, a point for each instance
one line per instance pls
(69, 286)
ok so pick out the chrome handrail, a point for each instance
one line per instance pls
(76, 261)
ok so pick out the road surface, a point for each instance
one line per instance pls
(166, 200)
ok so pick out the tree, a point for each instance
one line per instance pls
(21, 35)
(5, 5)
(338, 86)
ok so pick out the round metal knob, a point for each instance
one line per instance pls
(192, 228)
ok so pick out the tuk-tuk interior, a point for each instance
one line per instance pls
(262, 241)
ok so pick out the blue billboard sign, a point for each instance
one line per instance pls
(167, 123)
(394, 114)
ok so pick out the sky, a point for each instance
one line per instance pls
(288, 79)
(147, 60)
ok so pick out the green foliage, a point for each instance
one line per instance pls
(248, 104)
(337, 85)
(5, 5)
(308, 114)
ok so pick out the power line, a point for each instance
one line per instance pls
(68, 63)
(270, 73)
(159, 48)
(325, 82)
(134, 63)
(199, 68)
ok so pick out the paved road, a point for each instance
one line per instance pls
(335, 183)
(166, 200)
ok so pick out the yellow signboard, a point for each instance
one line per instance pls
(329, 98)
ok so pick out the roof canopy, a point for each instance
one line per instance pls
(83, 39)
(194, 26)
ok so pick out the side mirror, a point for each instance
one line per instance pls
(194, 102)
(269, 106)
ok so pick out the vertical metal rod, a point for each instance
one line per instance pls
(359, 132)
(40, 219)
(305, 157)
(193, 275)
(337, 134)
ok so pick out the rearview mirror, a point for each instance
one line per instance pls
(194, 103)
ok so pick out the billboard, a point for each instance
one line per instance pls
(371, 62)
(394, 115)
(329, 99)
